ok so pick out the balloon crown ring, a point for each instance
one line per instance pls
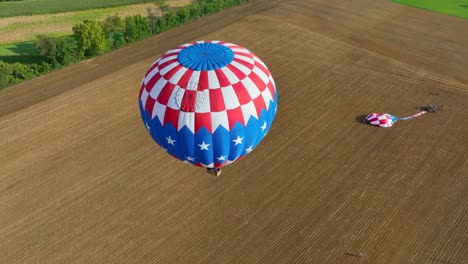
(205, 56)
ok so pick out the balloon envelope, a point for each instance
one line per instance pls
(208, 103)
(381, 120)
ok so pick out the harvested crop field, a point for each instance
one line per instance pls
(82, 181)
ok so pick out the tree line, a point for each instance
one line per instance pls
(92, 38)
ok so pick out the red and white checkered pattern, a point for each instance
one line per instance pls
(381, 120)
(186, 97)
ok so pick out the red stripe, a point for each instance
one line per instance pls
(242, 94)
(222, 79)
(262, 68)
(239, 74)
(219, 165)
(271, 87)
(234, 46)
(203, 81)
(245, 53)
(181, 46)
(165, 94)
(259, 104)
(203, 120)
(184, 80)
(235, 115)
(167, 63)
(188, 101)
(171, 73)
(216, 100)
(152, 81)
(171, 115)
(243, 62)
(150, 105)
(384, 121)
(151, 69)
(143, 86)
(257, 81)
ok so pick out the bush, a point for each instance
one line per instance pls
(114, 28)
(136, 28)
(47, 46)
(90, 38)
(13, 73)
(66, 52)
(57, 50)
(183, 15)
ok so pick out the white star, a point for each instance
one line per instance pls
(148, 127)
(238, 140)
(222, 158)
(248, 149)
(170, 141)
(264, 126)
(190, 158)
(203, 146)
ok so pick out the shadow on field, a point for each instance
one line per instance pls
(361, 119)
(26, 48)
(464, 6)
(25, 59)
(24, 52)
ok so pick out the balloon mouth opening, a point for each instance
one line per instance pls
(190, 98)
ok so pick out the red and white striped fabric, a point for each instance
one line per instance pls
(380, 120)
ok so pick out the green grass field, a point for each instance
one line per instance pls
(458, 8)
(36, 7)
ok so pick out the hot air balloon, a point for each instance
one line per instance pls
(387, 120)
(208, 103)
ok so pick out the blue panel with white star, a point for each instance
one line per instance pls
(207, 149)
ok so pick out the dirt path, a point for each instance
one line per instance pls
(82, 182)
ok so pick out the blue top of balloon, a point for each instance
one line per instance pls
(205, 56)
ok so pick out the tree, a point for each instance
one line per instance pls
(183, 15)
(112, 25)
(57, 50)
(171, 19)
(195, 10)
(47, 46)
(161, 25)
(90, 38)
(65, 52)
(136, 28)
(114, 28)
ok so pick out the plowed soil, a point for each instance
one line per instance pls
(81, 181)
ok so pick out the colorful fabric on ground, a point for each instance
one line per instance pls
(208, 103)
(387, 120)
(381, 120)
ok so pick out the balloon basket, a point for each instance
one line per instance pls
(214, 171)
